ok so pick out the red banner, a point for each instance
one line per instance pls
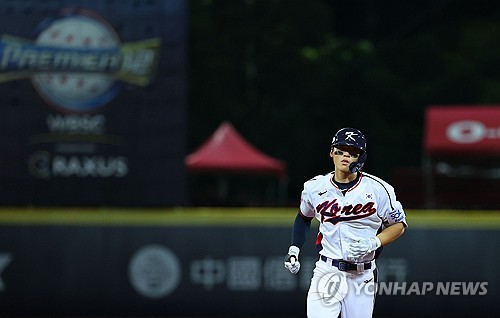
(463, 130)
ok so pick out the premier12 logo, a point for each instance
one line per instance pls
(77, 62)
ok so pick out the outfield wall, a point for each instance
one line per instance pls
(228, 263)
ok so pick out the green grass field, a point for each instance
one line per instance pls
(273, 217)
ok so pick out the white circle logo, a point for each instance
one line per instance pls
(154, 271)
(466, 131)
(84, 40)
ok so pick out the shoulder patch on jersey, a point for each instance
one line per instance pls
(397, 216)
(368, 196)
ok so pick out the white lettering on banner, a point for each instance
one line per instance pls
(5, 259)
(89, 166)
(138, 61)
(76, 124)
(471, 131)
(43, 166)
(248, 273)
(76, 139)
(208, 272)
(243, 273)
(25, 57)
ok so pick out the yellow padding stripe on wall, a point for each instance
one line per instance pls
(265, 217)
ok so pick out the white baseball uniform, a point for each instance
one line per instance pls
(360, 212)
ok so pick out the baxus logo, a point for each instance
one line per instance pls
(77, 62)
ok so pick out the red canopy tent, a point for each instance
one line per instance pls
(227, 152)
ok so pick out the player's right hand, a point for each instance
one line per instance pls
(292, 259)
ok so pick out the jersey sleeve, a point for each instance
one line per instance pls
(397, 215)
(391, 210)
(306, 207)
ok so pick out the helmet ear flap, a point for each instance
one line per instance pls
(358, 165)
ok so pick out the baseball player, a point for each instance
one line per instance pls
(358, 214)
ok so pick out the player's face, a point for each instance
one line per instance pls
(343, 156)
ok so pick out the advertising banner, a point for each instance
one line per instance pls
(464, 130)
(93, 102)
(122, 271)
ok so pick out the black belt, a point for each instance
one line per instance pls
(343, 265)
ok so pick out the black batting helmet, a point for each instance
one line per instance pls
(350, 137)
(354, 138)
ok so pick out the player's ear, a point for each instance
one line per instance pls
(331, 152)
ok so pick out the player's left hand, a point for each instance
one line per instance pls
(363, 246)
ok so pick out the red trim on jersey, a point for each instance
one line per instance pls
(319, 238)
(333, 182)
(354, 186)
(357, 183)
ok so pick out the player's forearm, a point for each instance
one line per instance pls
(391, 233)
(301, 227)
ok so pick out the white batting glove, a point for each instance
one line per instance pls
(292, 259)
(363, 246)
